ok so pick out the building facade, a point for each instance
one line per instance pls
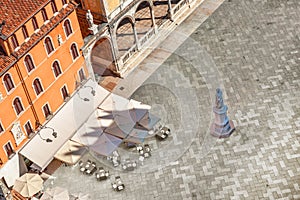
(124, 29)
(40, 67)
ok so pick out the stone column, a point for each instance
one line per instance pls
(136, 37)
(115, 48)
(153, 20)
(170, 11)
(222, 126)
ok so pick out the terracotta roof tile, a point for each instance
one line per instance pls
(44, 30)
(7, 61)
(16, 12)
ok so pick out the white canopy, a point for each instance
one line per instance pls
(11, 170)
(67, 120)
(70, 152)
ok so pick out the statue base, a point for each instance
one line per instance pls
(93, 29)
(222, 131)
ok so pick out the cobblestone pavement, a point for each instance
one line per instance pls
(255, 47)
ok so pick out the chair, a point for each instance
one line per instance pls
(118, 185)
(147, 148)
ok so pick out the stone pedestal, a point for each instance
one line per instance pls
(222, 126)
(93, 29)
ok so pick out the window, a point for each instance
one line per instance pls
(56, 69)
(8, 82)
(81, 75)
(25, 32)
(48, 45)
(37, 86)
(64, 92)
(44, 13)
(9, 150)
(1, 128)
(34, 23)
(67, 27)
(28, 128)
(53, 6)
(14, 41)
(74, 51)
(64, 2)
(47, 111)
(18, 105)
(29, 63)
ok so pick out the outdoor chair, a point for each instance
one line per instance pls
(118, 185)
(102, 174)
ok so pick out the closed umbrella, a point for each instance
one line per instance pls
(55, 193)
(29, 184)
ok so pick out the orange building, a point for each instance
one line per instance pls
(40, 67)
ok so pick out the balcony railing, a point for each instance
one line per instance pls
(179, 6)
(147, 36)
(129, 53)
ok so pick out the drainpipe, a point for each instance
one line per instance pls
(37, 121)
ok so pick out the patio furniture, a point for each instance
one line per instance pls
(118, 184)
(102, 174)
(141, 159)
(144, 151)
(163, 133)
(83, 167)
(91, 169)
(129, 165)
(115, 158)
(147, 150)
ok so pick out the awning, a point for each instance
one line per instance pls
(12, 170)
(65, 122)
(136, 136)
(70, 152)
(148, 121)
(105, 144)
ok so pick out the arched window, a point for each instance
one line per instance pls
(34, 23)
(25, 32)
(56, 69)
(18, 105)
(74, 51)
(37, 86)
(8, 82)
(47, 111)
(14, 41)
(29, 63)
(44, 14)
(53, 6)
(67, 27)
(48, 45)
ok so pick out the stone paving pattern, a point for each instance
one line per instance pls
(255, 46)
